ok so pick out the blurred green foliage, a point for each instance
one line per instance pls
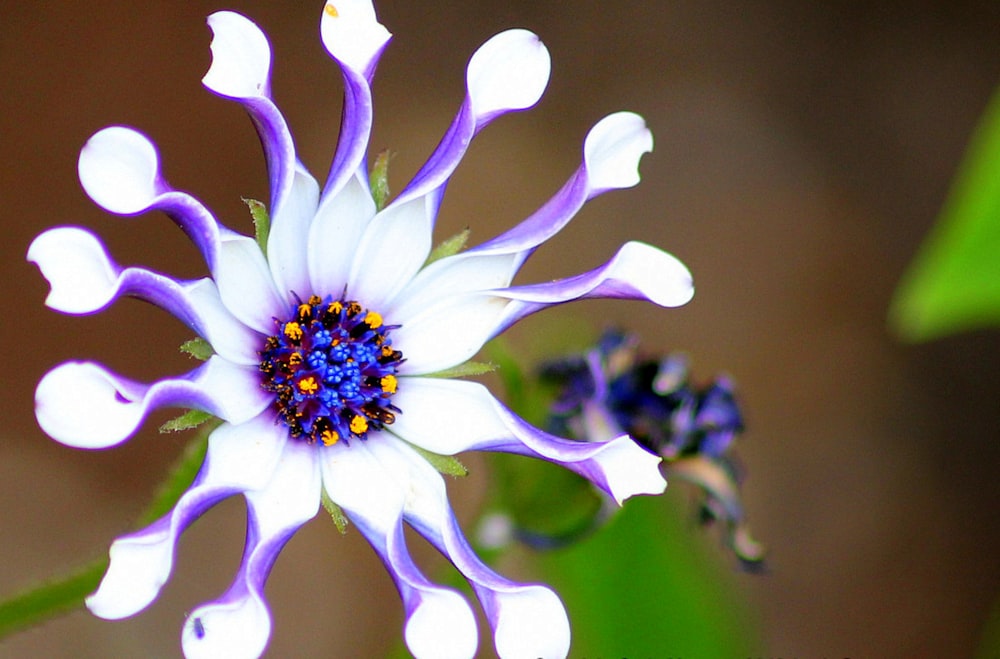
(953, 283)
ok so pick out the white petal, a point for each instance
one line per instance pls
(613, 148)
(508, 72)
(630, 469)
(334, 236)
(448, 333)
(241, 57)
(442, 626)
(462, 273)
(531, 623)
(287, 242)
(86, 406)
(77, 268)
(245, 284)
(356, 481)
(119, 169)
(351, 33)
(394, 246)
(233, 340)
(446, 416)
(138, 570)
(236, 629)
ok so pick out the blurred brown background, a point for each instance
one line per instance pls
(803, 149)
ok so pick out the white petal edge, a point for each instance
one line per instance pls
(352, 34)
(241, 57)
(119, 169)
(83, 405)
(246, 285)
(73, 261)
(287, 244)
(508, 72)
(442, 625)
(334, 236)
(613, 148)
(528, 616)
(236, 629)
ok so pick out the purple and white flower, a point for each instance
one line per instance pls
(326, 339)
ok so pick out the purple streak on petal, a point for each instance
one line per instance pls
(637, 272)
(239, 622)
(279, 149)
(355, 130)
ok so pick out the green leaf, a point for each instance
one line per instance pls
(198, 348)
(446, 464)
(953, 283)
(378, 180)
(339, 518)
(464, 370)
(65, 594)
(261, 221)
(645, 586)
(449, 247)
(186, 421)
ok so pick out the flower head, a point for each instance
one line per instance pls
(611, 390)
(324, 338)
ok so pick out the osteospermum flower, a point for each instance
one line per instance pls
(324, 339)
(612, 389)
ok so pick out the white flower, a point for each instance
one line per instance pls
(324, 344)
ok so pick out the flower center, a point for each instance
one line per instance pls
(332, 369)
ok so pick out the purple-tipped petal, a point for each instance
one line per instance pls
(637, 272)
(240, 71)
(353, 36)
(120, 170)
(612, 152)
(528, 620)
(369, 481)
(508, 72)
(84, 280)
(83, 405)
(238, 624)
(239, 458)
(476, 420)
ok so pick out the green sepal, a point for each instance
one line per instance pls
(446, 464)
(378, 179)
(261, 221)
(198, 348)
(465, 370)
(186, 421)
(339, 518)
(449, 247)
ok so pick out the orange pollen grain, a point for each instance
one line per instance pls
(329, 437)
(373, 320)
(359, 424)
(293, 331)
(308, 385)
(388, 383)
(331, 11)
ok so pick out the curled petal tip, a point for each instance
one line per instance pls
(241, 57)
(531, 622)
(613, 148)
(654, 274)
(119, 170)
(508, 72)
(352, 34)
(441, 625)
(139, 567)
(630, 469)
(239, 628)
(80, 274)
(83, 406)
